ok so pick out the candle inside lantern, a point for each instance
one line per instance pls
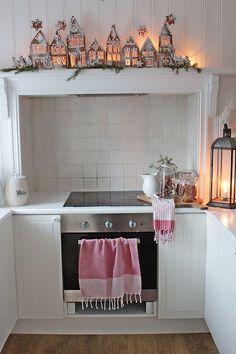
(225, 187)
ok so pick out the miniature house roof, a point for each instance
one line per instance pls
(130, 41)
(113, 36)
(148, 45)
(75, 27)
(57, 41)
(95, 46)
(165, 30)
(40, 38)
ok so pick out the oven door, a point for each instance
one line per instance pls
(147, 250)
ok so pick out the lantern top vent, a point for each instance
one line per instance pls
(226, 142)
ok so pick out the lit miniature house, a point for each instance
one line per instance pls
(113, 47)
(149, 53)
(130, 52)
(39, 49)
(58, 51)
(96, 54)
(76, 45)
(166, 49)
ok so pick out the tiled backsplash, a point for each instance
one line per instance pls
(104, 142)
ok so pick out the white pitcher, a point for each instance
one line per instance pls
(16, 191)
(150, 184)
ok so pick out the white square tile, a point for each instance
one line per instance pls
(51, 184)
(130, 183)
(103, 144)
(76, 144)
(90, 184)
(74, 117)
(90, 131)
(130, 170)
(130, 103)
(130, 130)
(130, 157)
(131, 117)
(144, 143)
(117, 184)
(104, 184)
(90, 171)
(103, 170)
(76, 171)
(117, 170)
(64, 185)
(116, 130)
(117, 144)
(131, 143)
(103, 131)
(77, 184)
(101, 103)
(76, 131)
(102, 117)
(116, 116)
(103, 157)
(90, 157)
(117, 157)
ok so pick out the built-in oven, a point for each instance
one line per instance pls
(89, 226)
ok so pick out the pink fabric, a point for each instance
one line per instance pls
(163, 218)
(109, 270)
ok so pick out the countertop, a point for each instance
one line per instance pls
(52, 203)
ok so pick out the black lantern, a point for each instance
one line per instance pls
(223, 171)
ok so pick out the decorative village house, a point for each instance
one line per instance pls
(58, 51)
(113, 52)
(166, 50)
(76, 45)
(130, 52)
(39, 49)
(149, 54)
(95, 54)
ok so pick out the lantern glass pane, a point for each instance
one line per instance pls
(223, 181)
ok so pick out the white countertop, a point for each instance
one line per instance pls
(52, 203)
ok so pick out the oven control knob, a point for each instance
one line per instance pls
(84, 225)
(132, 224)
(108, 225)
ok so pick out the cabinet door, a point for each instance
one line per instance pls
(182, 269)
(38, 266)
(8, 303)
(220, 309)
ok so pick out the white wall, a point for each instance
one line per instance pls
(104, 143)
(205, 30)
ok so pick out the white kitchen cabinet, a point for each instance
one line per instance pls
(38, 266)
(220, 309)
(8, 303)
(182, 269)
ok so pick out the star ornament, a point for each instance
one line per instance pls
(61, 25)
(142, 30)
(36, 24)
(170, 19)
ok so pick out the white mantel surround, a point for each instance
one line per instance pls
(128, 81)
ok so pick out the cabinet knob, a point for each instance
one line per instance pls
(56, 220)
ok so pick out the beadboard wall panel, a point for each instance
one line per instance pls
(205, 30)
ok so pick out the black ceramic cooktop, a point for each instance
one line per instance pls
(89, 199)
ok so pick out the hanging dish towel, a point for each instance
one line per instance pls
(163, 218)
(109, 272)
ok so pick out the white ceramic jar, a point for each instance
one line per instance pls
(150, 184)
(16, 191)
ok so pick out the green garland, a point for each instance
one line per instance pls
(177, 67)
(117, 69)
(27, 68)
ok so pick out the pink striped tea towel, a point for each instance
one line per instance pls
(163, 218)
(109, 272)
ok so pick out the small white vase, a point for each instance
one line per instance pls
(16, 191)
(150, 184)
